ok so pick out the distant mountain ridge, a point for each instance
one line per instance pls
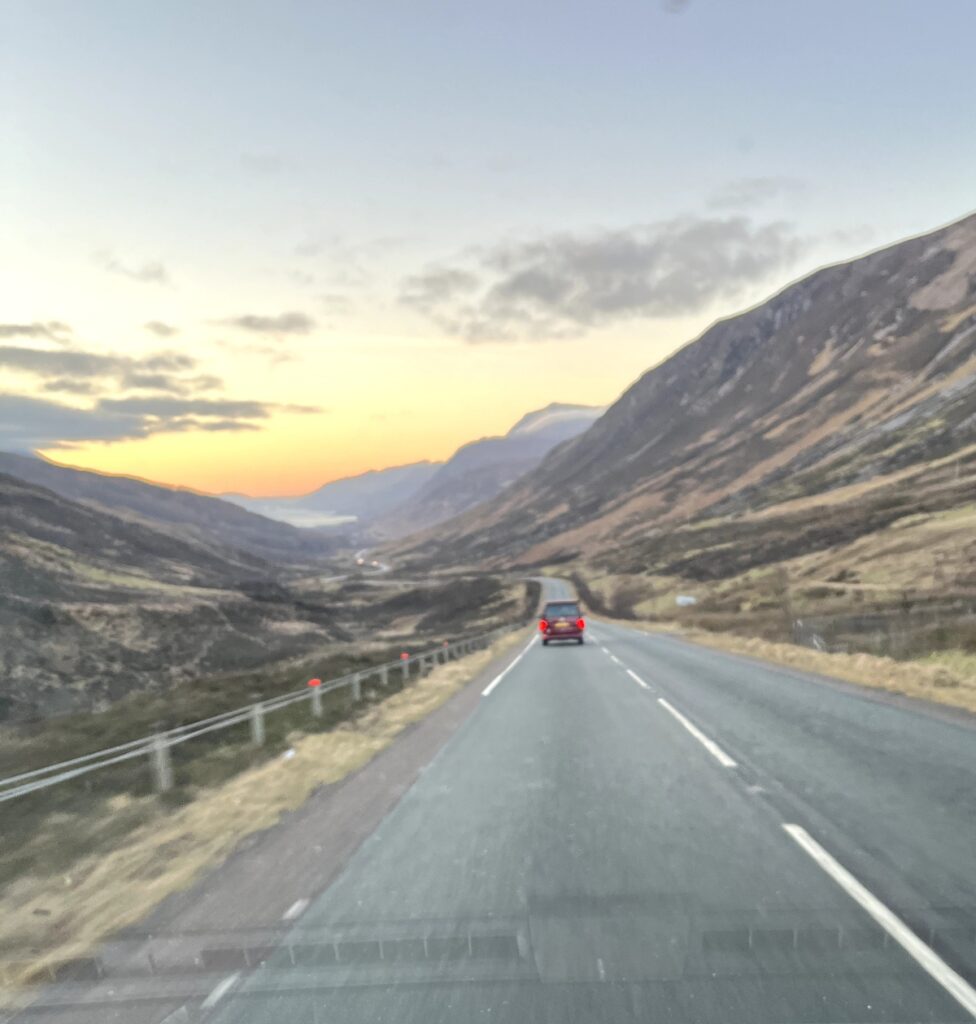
(399, 500)
(183, 512)
(858, 370)
(362, 498)
(481, 469)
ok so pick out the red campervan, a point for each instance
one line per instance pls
(562, 620)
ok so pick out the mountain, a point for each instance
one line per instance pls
(399, 500)
(846, 379)
(480, 470)
(181, 512)
(363, 498)
(94, 606)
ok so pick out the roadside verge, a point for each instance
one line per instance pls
(66, 917)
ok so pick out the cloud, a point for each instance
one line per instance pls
(284, 323)
(563, 284)
(62, 362)
(160, 329)
(138, 380)
(69, 386)
(335, 304)
(69, 369)
(436, 286)
(152, 272)
(675, 6)
(53, 330)
(75, 372)
(124, 398)
(163, 406)
(749, 192)
(29, 424)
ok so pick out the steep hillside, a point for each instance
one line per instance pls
(93, 606)
(849, 376)
(363, 498)
(480, 470)
(183, 513)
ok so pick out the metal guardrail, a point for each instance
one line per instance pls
(157, 747)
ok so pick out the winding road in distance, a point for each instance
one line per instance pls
(638, 829)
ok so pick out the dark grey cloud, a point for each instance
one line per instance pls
(53, 330)
(70, 386)
(69, 369)
(152, 272)
(163, 406)
(564, 284)
(283, 323)
(222, 425)
(160, 329)
(125, 397)
(62, 362)
(744, 193)
(140, 381)
(436, 286)
(29, 424)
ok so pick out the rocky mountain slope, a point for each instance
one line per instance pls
(845, 379)
(180, 512)
(481, 469)
(94, 606)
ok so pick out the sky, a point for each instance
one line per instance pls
(255, 247)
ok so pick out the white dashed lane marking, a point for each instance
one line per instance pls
(713, 748)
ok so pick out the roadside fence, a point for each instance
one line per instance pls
(157, 747)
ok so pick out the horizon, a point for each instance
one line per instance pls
(412, 228)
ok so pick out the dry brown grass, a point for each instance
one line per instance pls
(940, 678)
(57, 918)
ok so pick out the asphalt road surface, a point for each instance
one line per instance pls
(637, 829)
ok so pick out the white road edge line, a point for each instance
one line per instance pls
(504, 672)
(614, 658)
(295, 910)
(220, 991)
(713, 748)
(637, 679)
(605, 651)
(957, 986)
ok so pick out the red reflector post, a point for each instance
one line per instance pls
(315, 682)
(580, 624)
(404, 656)
(543, 626)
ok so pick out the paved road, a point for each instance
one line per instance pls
(644, 830)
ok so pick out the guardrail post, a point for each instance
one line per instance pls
(357, 687)
(317, 701)
(257, 724)
(162, 764)
(405, 669)
(384, 676)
